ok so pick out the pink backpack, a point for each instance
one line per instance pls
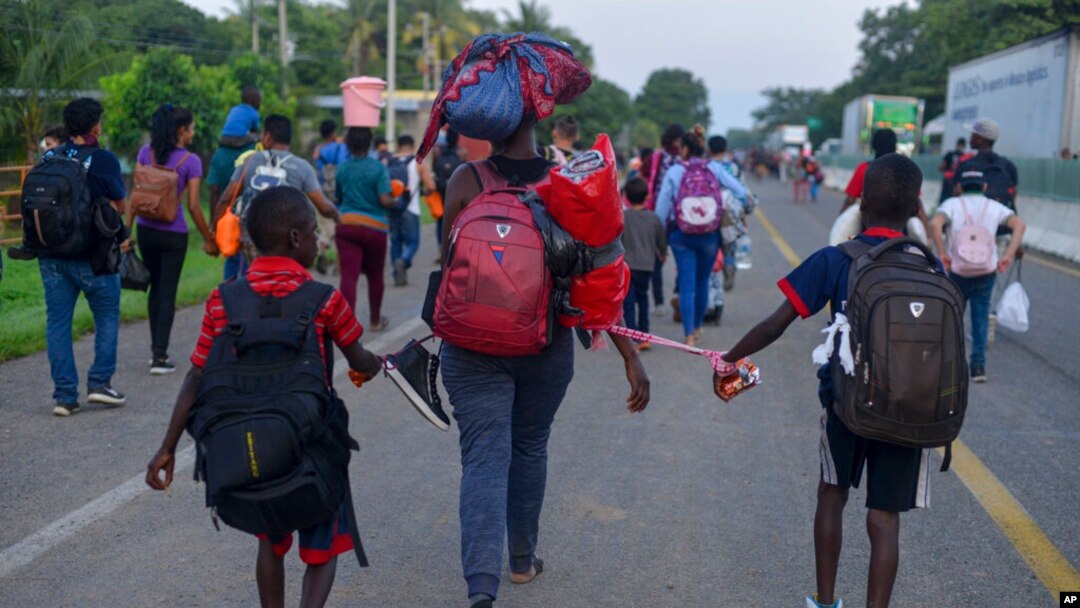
(495, 293)
(972, 246)
(698, 204)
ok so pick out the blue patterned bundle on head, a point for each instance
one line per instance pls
(499, 79)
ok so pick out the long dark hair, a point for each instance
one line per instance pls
(167, 120)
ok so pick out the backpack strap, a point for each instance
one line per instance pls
(946, 460)
(182, 159)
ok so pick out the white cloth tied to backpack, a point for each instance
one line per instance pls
(824, 351)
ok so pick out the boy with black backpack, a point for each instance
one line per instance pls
(272, 435)
(893, 380)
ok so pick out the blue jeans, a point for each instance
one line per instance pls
(404, 237)
(694, 258)
(636, 304)
(504, 407)
(235, 266)
(977, 292)
(63, 280)
(658, 283)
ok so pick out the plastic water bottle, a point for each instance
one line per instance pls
(742, 253)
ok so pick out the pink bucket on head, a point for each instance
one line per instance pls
(362, 101)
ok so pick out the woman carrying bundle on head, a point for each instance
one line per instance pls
(506, 366)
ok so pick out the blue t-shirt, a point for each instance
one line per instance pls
(242, 119)
(822, 278)
(103, 176)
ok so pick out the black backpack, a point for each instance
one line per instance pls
(907, 339)
(272, 438)
(999, 181)
(447, 163)
(56, 206)
(399, 170)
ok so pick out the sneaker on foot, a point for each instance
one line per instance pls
(413, 369)
(978, 373)
(811, 602)
(21, 253)
(107, 395)
(160, 367)
(484, 604)
(65, 409)
(400, 273)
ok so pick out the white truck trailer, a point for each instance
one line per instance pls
(1032, 90)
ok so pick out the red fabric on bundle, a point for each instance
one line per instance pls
(589, 207)
(600, 294)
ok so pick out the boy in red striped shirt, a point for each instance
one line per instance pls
(281, 223)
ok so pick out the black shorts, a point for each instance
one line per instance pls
(897, 477)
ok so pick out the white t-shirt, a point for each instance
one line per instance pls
(414, 188)
(996, 214)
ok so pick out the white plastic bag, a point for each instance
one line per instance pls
(1012, 309)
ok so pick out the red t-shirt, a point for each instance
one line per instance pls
(278, 277)
(854, 187)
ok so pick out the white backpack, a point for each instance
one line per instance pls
(972, 246)
(273, 173)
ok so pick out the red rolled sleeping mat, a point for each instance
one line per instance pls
(583, 197)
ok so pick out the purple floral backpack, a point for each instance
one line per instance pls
(698, 206)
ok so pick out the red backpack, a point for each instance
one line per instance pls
(494, 296)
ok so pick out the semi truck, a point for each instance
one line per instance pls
(868, 113)
(792, 139)
(1032, 90)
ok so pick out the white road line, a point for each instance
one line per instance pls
(34, 546)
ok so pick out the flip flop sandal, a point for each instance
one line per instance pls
(381, 325)
(537, 568)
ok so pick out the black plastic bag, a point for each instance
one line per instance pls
(133, 273)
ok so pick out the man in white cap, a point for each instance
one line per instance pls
(998, 171)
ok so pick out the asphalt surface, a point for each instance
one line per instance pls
(692, 503)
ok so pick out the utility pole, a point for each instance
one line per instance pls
(391, 74)
(425, 18)
(254, 28)
(283, 44)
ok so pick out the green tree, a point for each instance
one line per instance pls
(673, 95)
(161, 76)
(786, 105)
(742, 138)
(604, 108)
(645, 133)
(41, 63)
(531, 16)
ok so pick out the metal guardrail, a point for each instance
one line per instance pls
(6, 196)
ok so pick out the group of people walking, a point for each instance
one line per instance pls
(683, 195)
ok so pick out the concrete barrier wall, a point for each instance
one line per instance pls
(1053, 226)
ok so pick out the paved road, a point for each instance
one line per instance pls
(693, 503)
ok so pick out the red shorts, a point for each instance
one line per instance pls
(319, 543)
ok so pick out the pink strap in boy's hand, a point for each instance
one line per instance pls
(720, 366)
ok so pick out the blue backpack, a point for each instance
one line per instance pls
(398, 167)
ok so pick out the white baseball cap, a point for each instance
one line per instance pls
(984, 127)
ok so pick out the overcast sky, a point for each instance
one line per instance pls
(739, 47)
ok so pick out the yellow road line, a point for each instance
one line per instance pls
(781, 244)
(1054, 265)
(1048, 563)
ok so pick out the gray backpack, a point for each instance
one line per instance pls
(910, 381)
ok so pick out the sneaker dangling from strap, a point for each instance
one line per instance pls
(414, 370)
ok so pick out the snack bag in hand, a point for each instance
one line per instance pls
(745, 377)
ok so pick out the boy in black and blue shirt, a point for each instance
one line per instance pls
(896, 476)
